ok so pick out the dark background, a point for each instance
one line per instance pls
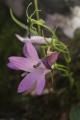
(18, 107)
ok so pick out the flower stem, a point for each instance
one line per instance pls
(22, 25)
(37, 14)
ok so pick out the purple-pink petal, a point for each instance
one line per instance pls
(26, 84)
(21, 63)
(33, 81)
(30, 51)
(40, 84)
(52, 58)
(11, 66)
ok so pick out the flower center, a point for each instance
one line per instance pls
(45, 62)
(37, 65)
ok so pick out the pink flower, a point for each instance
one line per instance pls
(34, 69)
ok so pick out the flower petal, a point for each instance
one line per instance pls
(21, 63)
(30, 51)
(40, 84)
(32, 82)
(34, 39)
(10, 65)
(26, 84)
(52, 58)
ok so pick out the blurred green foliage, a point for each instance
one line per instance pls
(75, 113)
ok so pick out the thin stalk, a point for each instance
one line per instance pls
(20, 23)
(37, 14)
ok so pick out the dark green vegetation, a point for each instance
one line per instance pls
(47, 107)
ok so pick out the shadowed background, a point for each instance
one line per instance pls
(46, 107)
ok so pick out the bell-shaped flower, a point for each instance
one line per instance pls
(34, 69)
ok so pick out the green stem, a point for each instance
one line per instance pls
(20, 23)
(37, 14)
